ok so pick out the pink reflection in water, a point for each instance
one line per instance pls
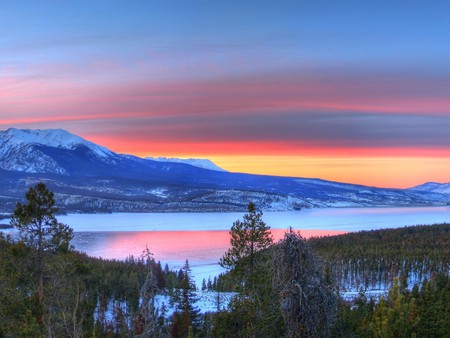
(169, 246)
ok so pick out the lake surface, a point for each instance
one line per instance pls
(344, 219)
(203, 237)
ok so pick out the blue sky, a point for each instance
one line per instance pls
(226, 79)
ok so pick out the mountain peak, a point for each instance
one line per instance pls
(441, 188)
(33, 150)
(90, 177)
(56, 138)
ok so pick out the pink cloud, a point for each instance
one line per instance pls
(280, 111)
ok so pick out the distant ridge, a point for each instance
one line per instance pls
(196, 162)
(87, 177)
(441, 188)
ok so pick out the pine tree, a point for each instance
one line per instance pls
(40, 230)
(248, 237)
(187, 314)
(37, 224)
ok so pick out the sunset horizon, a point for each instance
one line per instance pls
(348, 93)
(290, 166)
(325, 164)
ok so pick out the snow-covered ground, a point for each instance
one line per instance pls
(208, 301)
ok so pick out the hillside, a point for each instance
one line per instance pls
(90, 178)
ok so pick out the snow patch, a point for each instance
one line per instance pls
(195, 162)
(441, 188)
(56, 138)
(208, 301)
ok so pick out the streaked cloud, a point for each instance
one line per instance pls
(231, 78)
(310, 109)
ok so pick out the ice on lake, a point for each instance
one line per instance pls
(203, 237)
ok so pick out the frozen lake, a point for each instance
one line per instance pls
(203, 237)
(341, 219)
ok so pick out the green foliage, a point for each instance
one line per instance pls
(187, 315)
(78, 289)
(255, 311)
(403, 313)
(248, 237)
(364, 259)
(29, 327)
(37, 224)
(372, 259)
(255, 315)
(40, 230)
(395, 257)
(249, 317)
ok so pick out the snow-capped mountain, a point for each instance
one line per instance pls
(90, 178)
(57, 138)
(433, 187)
(196, 162)
(27, 150)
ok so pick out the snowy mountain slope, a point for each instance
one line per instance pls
(196, 162)
(433, 187)
(57, 138)
(88, 177)
(25, 150)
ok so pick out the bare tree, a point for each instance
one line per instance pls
(147, 318)
(308, 304)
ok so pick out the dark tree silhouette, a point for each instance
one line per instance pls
(247, 238)
(307, 301)
(187, 314)
(40, 230)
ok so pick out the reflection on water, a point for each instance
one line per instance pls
(200, 247)
(203, 237)
(203, 249)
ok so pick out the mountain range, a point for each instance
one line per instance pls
(87, 177)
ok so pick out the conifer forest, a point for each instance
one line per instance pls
(290, 288)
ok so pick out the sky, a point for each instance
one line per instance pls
(351, 91)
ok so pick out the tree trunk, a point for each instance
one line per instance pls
(41, 295)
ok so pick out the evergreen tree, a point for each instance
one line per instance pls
(40, 230)
(248, 237)
(253, 312)
(37, 224)
(187, 314)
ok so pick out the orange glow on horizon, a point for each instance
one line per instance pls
(184, 149)
(383, 172)
(380, 167)
(258, 102)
